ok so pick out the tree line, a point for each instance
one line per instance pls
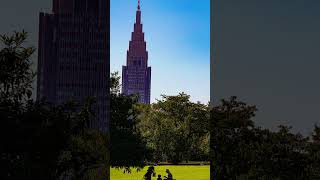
(241, 150)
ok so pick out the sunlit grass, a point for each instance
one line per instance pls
(179, 173)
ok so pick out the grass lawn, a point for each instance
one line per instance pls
(179, 173)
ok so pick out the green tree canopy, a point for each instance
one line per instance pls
(175, 128)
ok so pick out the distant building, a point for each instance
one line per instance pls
(74, 54)
(136, 75)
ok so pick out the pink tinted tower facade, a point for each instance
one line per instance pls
(136, 75)
(73, 59)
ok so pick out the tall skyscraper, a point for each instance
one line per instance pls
(74, 57)
(136, 76)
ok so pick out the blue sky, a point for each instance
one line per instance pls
(178, 41)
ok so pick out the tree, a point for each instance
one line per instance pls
(314, 153)
(241, 150)
(16, 76)
(35, 135)
(316, 135)
(281, 155)
(86, 156)
(230, 128)
(175, 128)
(128, 150)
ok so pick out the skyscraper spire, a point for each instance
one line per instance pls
(136, 75)
(138, 15)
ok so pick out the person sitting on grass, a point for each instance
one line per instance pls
(150, 172)
(159, 177)
(169, 175)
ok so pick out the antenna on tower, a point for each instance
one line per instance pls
(138, 4)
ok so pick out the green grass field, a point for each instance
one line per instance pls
(178, 172)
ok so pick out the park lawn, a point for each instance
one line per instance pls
(180, 172)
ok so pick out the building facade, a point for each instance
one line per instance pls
(136, 75)
(74, 57)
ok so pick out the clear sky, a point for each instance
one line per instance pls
(268, 54)
(177, 33)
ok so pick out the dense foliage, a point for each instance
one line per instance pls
(240, 150)
(16, 76)
(176, 129)
(40, 140)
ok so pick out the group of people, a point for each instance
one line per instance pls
(151, 172)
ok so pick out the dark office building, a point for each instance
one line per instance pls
(136, 76)
(74, 54)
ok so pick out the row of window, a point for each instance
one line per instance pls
(88, 86)
(136, 74)
(74, 67)
(75, 54)
(136, 86)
